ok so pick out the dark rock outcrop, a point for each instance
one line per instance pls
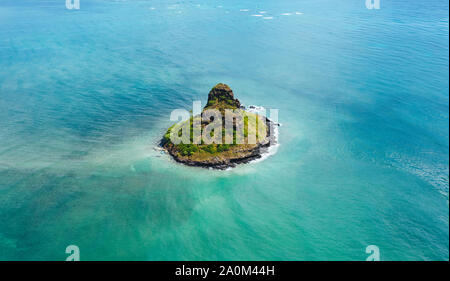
(221, 95)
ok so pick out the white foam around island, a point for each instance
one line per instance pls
(256, 109)
(272, 150)
(274, 147)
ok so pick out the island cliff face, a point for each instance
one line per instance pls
(222, 96)
(222, 154)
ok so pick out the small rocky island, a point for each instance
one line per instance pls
(245, 138)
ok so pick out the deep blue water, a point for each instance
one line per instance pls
(363, 158)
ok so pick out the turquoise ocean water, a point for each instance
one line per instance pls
(363, 158)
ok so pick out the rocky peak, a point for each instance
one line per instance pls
(222, 96)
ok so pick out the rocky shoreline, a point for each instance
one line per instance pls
(221, 164)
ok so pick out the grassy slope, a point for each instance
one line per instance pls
(203, 152)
